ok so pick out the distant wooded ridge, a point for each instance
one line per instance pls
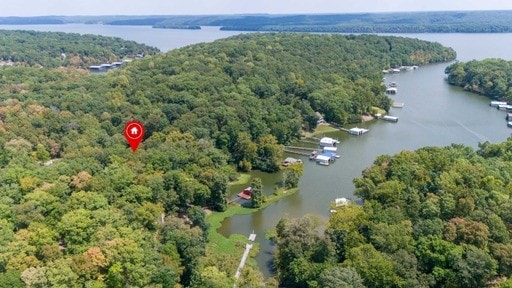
(400, 22)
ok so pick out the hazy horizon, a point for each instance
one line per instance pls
(232, 7)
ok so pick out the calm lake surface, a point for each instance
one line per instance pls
(435, 114)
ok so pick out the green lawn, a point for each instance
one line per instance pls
(242, 179)
(321, 129)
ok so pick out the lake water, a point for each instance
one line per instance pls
(163, 39)
(435, 114)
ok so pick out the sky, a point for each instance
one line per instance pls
(201, 7)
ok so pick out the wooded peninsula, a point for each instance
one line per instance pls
(79, 209)
(489, 77)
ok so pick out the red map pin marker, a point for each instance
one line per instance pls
(133, 132)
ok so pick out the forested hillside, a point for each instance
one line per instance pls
(489, 77)
(53, 49)
(435, 217)
(79, 209)
(272, 84)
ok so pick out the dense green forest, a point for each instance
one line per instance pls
(435, 217)
(489, 77)
(79, 209)
(45, 49)
(395, 22)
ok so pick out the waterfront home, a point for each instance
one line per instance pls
(288, 161)
(321, 119)
(246, 194)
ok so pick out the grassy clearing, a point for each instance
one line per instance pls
(221, 245)
(242, 179)
(377, 110)
(321, 129)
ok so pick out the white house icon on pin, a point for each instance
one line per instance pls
(134, 131)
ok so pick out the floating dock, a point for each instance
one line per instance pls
(392, 90)
(323, 160)
(390, 118)
(248, 248)
(328, 142)
(358, 131)
(497, 103)
(505, 107)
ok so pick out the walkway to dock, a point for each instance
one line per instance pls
(248, 248)
(309, 142)
(298, 150)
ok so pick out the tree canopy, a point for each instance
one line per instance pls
(56, 49)
(79, 208)
(489, 77)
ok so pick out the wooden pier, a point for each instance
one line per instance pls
(248, 248)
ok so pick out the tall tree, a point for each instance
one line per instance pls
(256, 193)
